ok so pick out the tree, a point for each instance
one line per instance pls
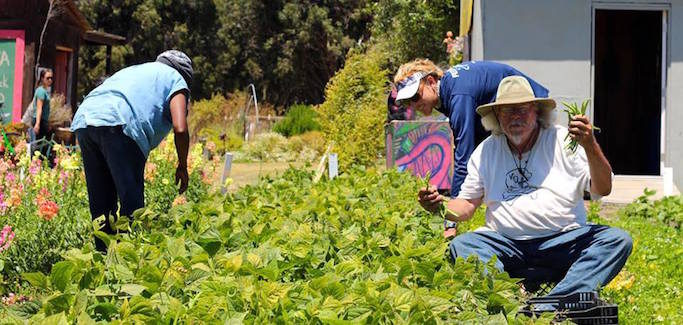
(56, 7)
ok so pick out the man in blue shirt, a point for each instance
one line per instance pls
(121, 120)
(456, 93)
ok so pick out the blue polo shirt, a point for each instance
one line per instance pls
(137, 98)
(462, 89)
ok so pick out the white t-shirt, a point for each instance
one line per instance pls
(546, 199)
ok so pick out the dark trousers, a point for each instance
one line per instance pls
(44, 148)
(114, 169)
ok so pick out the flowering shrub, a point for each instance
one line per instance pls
(45, 210)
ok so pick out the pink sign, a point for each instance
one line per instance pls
(13, 60)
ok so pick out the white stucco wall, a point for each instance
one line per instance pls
(551, 41)
(674, 98)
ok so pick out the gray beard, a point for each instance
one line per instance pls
(518, 140)
(515, 139)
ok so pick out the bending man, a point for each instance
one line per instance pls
(124, 118)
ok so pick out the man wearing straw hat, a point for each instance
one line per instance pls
(533, 190)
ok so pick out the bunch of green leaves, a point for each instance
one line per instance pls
(355, 249)
(572, 110)
(299, 119)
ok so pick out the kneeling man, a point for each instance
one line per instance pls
(533, 190)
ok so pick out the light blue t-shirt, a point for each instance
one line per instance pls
(137, 98)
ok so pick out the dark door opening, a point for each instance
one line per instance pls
(628, 83)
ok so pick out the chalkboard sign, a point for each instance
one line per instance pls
(11, 74)
(6, 79)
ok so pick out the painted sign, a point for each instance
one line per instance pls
(420, 147)
(11, 74)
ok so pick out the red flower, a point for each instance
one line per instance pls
(48, 209)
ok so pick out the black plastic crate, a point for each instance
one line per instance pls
(580, 308)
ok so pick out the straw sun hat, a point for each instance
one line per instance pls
(515, 90)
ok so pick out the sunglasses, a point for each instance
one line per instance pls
(48, 78)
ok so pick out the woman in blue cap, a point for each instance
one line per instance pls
(456, 93)
(121, 120)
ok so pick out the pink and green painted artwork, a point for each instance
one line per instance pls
(421, 147)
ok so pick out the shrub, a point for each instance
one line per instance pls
(221, 120)
(312, 140)
(60, 114)
(299, 119)
(216, 120)
(273, 147)
(353, 113)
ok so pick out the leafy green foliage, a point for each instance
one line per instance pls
(668, 210)
(299, 119)
(354, 249)
(288, 49)
(414, 28)
(352, 116)
(648, 289)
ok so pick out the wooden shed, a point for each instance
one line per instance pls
(21, 25)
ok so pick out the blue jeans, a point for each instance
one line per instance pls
(114, 169)
(579, 260)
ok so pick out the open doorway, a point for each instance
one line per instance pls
(628, 88)
(62, 73)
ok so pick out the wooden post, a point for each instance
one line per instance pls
(108, 60)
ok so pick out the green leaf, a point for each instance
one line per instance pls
(84, 319)
(26, 310)
(150, 277)
(105, 310)
(56, 319)
(59, 303)
(37, 279)
(176, 247)
(210, 241)
(132, 289)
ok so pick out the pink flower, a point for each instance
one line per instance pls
(6, 237)
(10, 177)
(63, 179)
(179, 200)
(12, 299)
(3, 205)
